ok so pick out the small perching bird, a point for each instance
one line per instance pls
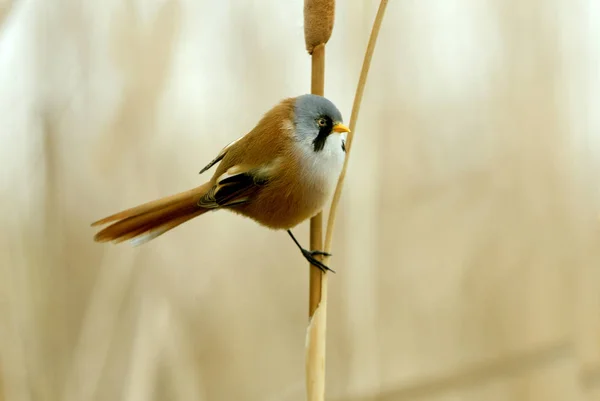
(279, 174)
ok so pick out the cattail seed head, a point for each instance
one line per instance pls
(318, 22)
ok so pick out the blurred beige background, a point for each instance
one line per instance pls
(467, 246)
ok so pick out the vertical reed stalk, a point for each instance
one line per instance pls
(318, 20)
(360, 89)
(318, 25)
(317, 87)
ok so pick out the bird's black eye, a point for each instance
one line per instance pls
(322, 122)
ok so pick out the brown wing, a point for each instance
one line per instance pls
(247, 163)
(234, 188)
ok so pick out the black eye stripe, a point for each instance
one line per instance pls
(324, 131)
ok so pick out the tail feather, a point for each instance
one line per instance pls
(145, 222)
(144, 237)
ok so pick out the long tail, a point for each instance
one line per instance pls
(145, 222)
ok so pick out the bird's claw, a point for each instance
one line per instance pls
(310, 256)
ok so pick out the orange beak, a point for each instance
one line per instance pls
(339, 128)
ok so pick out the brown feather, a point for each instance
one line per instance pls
(289, 197)
(156, 215)
(152, 205)
(282, 198)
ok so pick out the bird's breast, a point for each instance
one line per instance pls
(304, 182)
(323, 167)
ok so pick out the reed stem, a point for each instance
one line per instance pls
(316, 335)
(318, 25)
(360, 89)
(315, 345)
(316, 223)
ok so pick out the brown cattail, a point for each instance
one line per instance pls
(318, 22)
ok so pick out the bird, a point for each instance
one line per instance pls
(279, 174)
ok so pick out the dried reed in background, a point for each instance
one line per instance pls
(318, 25)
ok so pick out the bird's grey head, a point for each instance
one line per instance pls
(316, 118)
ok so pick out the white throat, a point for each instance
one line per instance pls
(323, 166)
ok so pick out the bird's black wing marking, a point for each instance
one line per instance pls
(214, 161)
(344, 146)
(232, 190)
(219, 157)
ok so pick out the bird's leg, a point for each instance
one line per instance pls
(310, 255)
